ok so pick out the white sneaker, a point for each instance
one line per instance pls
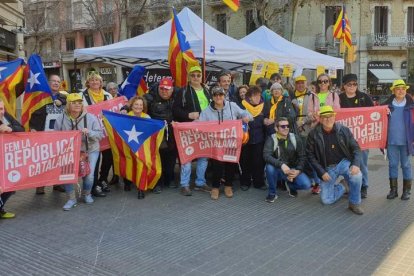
(69, 205)
(88, 199)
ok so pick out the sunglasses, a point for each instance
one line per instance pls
(284, 126)
(323, 81)
(195, 75)
(218, 94)
(351, 84)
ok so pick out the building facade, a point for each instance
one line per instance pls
(11, 30)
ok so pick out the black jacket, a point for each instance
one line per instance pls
(293, 157)
(185, 102)
(38, 118)
(315, 147)
(13, 123)
(363, 100)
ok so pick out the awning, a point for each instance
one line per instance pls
(385, 75)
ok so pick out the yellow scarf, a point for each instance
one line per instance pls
(272, 114)
(143, 114)
(299, 94)
(97, 97)
(282, 138)
(254, 110)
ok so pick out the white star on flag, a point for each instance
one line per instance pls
(133, 134)
(185, 37)
(124, 84)
(33, 79)
(1, 69)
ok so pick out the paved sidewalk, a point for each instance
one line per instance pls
(169, 234)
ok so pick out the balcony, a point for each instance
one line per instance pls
(383, 41)
(322, 43)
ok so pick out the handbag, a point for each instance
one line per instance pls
(84, 166)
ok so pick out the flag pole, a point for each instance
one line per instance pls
(204, 41)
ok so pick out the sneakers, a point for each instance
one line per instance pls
(141, 194)
(316, 189)
(40, 190)
(214, 193)
(203, 188)
(293, 193)
(88, 199)
(271, 198)
(6, 215)
(104, 186)
(364, 191)
(228, 191)
(244, 187)
(157, 189)
(97, 192)
(185, 191)
(69, 205)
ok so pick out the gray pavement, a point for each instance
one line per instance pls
(169, 234)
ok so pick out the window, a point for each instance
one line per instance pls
(221, 23)
(250, 25)
(137, 30)
(70, 44)
(109, 38)
(331, 15)
(410, 26)
(88, 41)
(381, 26)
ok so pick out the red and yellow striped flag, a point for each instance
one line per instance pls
(180, 55)
(233, 4)
(342, 29)
(11, 75)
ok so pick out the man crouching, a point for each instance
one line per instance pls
(333, 151)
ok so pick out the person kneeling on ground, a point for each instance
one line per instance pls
(333, 151)
(285, 158)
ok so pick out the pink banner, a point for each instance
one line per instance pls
(113, 105)
(369, 125)
(35, 159)
(220, 141)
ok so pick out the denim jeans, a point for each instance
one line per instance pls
(399, 154)
(364, 167)
(87, 180)
(273, 175)
(332, 191)
(200, 173)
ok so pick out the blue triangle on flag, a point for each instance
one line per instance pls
(133, 130)
(9, 67)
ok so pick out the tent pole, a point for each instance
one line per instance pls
(204, 41)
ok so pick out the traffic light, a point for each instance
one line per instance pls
(351, 54)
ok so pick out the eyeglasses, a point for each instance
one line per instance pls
(323, 81)
(218, 94)
(284, 126)
(195, 75)
(351, 84)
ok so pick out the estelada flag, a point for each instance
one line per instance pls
(342, 28)
(37, 92)
(134, 84)
(11, 77)
(233, 4)
(180, 55)
(135, 146)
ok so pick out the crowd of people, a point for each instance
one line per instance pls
(294, 140)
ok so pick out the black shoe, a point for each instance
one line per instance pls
(97, 192)
(364, 192)
(59, 188)
(114, 180)
(271, 198)
(141, 194)
(293, 193)
(244, 187)
(104, 186)
(157, 190)
(263, 188)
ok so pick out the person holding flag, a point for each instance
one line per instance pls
(76, 118)
(188, 104)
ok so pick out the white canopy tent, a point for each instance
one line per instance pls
(266, 39)
(151, 49)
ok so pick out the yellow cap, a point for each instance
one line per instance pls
(326, 110)
(399, 83)
(73, 97)
(194, 69)
(300, 78)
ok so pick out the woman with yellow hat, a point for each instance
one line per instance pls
(400, 139)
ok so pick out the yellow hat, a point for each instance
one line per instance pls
(399, 83)
(73, 97)
(300, 78)
(194, 69)
(326, 110)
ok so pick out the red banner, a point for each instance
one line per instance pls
(220, 141)
(35, 159)
(113, 105)
(369, 125)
